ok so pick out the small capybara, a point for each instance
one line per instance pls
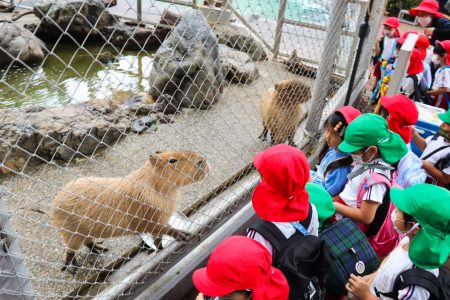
(281, 110)
(141, 202)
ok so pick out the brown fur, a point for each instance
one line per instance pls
(141, 202)
(281, 110)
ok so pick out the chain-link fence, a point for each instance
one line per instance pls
(91, 92)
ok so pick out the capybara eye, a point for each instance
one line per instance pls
(172, 161)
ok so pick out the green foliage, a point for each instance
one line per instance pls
(393, 7)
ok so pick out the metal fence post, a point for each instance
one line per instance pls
(278, 30)
(14, 280)
(325, 69)
(139, 10)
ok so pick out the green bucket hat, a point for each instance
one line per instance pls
(430, 206)
(322, 201)
(445, 117)
(372, 130)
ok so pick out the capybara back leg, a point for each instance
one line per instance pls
(263, 135)
(95, 247)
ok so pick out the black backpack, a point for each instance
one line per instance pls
(442, 163)
(303, 259)
(418, 95)
(438, 287)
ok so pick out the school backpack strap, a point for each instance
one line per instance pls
(435, 151)
(417, 277)
(382, 211)
(271, 233)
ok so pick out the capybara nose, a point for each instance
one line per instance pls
(201, 163)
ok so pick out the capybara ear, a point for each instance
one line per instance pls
(154, 158)
(277, 85)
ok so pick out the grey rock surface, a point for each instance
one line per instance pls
(240, 39)
(19, 44)
(187, 65)
(237, 66)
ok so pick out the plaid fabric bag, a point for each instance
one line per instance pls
(350, 253)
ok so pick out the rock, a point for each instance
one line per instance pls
(76, 18)
(42, 135)
(19, 44)
(240, 39)
(187, 65)
(144, 123)
(237, 66)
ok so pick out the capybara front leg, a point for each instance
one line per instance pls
(70, 265)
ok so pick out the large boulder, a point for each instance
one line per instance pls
(240, 39)
(78, 18)
(237, 66)
(19, 44)
(187, 67)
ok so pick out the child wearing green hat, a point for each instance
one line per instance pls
(436, 152)
(425, 246)
(374, 148)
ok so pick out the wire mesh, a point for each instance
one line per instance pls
(91, 91)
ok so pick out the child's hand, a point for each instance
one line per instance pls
(358, 286)
(429, 31)
(199, 297)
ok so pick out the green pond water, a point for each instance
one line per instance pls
(70, 74)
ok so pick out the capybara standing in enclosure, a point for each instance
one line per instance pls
(281, 110)
(141, 202)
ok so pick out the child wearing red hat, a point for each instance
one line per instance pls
(385, 45)
(441, 85)
(335, 165)
(436, 152)
(283, 196)
(438, 27)
(401, 114)
(240, 268)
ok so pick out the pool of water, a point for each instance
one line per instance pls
(70, 74)
(309, 11)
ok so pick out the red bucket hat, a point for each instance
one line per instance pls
(394, 23)
(422, 44)
(446, 46)
(240, 263)
(403, 114)
(428, 6)
(281, 195)
(349, 113)
(415, 63)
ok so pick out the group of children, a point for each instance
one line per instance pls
(367, 173)
(428, 75)
(293, 198)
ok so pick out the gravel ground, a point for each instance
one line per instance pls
(226, 134)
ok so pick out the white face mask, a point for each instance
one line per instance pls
(387, 33)
(436, 59)
(394, 219)
(357, 158)
(424, 21)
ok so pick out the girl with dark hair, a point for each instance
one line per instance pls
(335, 165)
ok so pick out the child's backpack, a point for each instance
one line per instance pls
(303, 259)
(381, 233)
(350, 252)
(418, 95)
(442, 163)
(438, 287)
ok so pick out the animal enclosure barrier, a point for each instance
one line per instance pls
(120, 136)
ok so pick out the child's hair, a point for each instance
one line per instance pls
(439, 50)
(408, 219)
(336, 121)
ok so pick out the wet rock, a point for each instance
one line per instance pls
(144, 123)
(135, 37)
(237, 66)
(238, 38)
(74, 17)
(187, 65)
(20, 45)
